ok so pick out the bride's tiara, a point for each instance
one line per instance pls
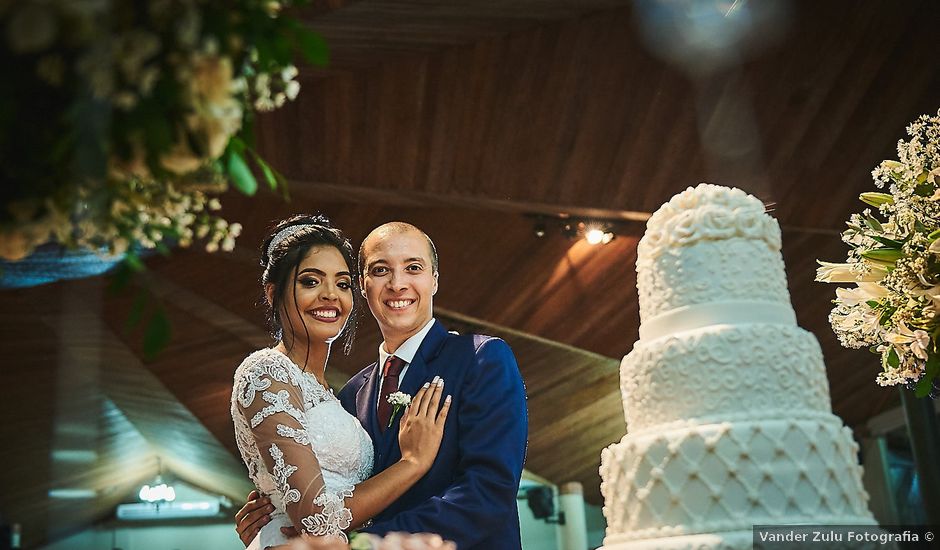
(279, 237)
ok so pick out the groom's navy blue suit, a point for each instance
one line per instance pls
(469, 495)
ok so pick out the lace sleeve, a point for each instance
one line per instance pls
(271, 398)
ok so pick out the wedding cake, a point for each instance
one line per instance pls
(726, 398)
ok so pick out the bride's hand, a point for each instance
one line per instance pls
(422, 425)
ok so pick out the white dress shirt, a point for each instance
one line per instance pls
(406, 352)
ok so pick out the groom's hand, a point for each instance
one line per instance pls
(252, 517)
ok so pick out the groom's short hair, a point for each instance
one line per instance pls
(396, 228)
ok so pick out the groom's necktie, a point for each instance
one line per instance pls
(393, 366)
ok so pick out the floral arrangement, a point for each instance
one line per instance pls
(122, 121)
(399, 402)
(894, 262)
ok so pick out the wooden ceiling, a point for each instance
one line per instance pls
(464, 118)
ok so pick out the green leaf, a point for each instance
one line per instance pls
(137, 309)
(893, 359)
(874, 304)
(134, 262)
(124, 272)
(886, 255)
(311, 46)
(922, 389)
(924, 190)
(120, 277)
(157, 334)
(874, 224)
(889, 243)
(934, 235)
(876, 199)
(886, 315)
(269, 174)
(241, 175)
(237, 144)
(273, 52)
(931, 369)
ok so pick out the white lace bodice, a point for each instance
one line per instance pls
(301, 447)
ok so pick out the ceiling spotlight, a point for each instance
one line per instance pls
(539, 229)
(569, 230)
(594, 236)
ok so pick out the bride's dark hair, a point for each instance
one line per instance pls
(285, 247)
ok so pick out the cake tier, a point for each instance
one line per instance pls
(735, 540)
(720, 372)
(709, 244)
(714, 478)
(709, 271)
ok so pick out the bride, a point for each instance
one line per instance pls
(302, 449)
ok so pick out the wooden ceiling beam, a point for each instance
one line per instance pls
(376, 194)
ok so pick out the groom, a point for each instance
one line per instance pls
(469, 495)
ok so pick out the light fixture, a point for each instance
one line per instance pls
(172, 510)
(539, 228)
(594, 236)
(68, 493)
(594, 231)
(158, 492)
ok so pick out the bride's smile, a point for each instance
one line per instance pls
(316, 307)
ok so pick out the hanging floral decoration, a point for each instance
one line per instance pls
(122, 121)
(894, 263)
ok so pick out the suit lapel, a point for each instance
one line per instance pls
(420, 371)
(366, 398)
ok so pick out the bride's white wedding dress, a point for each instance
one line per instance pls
(301, 447)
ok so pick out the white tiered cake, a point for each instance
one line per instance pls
(726, 398)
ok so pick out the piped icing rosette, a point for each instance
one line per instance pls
(710, 245)
(707, 212)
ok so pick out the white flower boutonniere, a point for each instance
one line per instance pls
(399, 401)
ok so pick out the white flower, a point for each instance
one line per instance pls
(828, 272)
(262, 85)
(219, 113)
(932, 176)
(861, 294)
(856, 326)
(180, 159)
(264, 104)
(918, 340)
(398, 400)
(292, 89)
(288, 73)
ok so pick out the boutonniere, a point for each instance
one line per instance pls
(398, 401)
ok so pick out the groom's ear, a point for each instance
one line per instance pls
(436, 276)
